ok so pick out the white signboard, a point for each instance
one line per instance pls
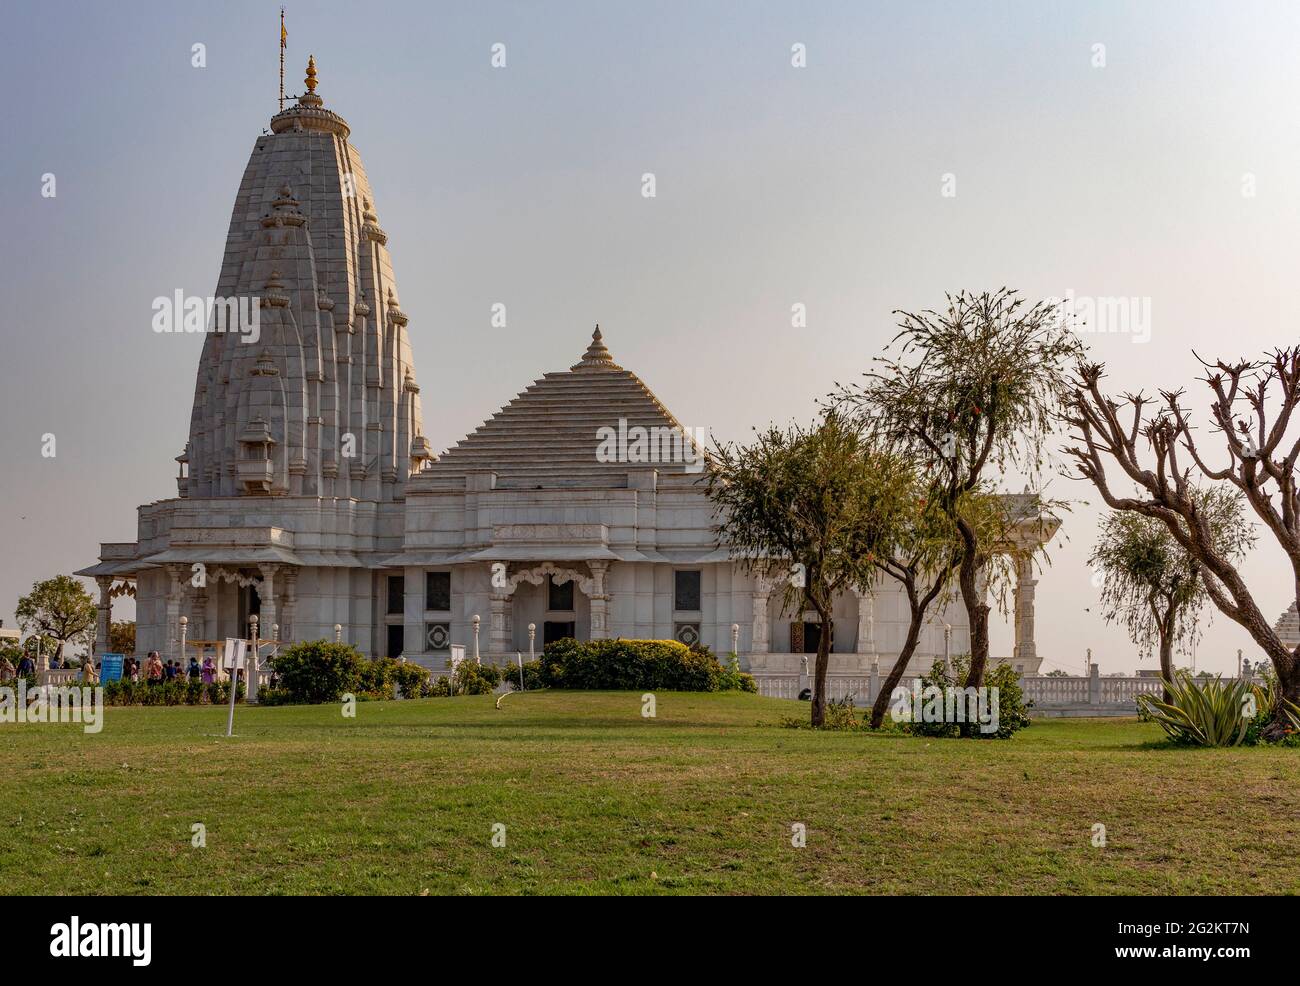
(236, 651)
(457, 655)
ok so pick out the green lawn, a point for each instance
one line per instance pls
(596, 799)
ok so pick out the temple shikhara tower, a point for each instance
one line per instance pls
(304, 433)
(308, 495)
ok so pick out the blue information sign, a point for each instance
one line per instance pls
(110, 668)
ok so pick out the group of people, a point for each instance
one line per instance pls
(153, 670)
(27, 666)
(156, 672)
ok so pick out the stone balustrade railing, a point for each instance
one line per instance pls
(1050, 694)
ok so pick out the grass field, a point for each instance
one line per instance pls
(596, 799)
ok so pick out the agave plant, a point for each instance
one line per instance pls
(1270, 696)
(1210, 712)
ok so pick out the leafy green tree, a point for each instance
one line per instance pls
(1152, 584)
(975, 390)
(60, 608)
(121, 637)
(813, 508)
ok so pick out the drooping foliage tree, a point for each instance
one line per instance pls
(1151, 584)
(974, 390)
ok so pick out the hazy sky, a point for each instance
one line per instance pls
(521, 185)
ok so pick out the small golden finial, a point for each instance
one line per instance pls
(311, 74)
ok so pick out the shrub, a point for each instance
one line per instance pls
(619, 664)
(375, 678)
(317, 671)
(1013, 709)
(473, 679)
(534, 677)
(732, 678)
(436, 687)
(412, 679)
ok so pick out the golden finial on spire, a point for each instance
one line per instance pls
(311, 74)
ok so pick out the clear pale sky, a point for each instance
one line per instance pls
(775, 186)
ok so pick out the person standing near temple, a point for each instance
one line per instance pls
(89, 676)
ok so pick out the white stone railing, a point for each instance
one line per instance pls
(64, 676)
(1047, 692)
(1124, 691)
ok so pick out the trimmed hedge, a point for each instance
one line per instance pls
(318, 671)
(176, 692)
(629, 665)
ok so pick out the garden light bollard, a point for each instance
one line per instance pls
(532, 632)
(338, 633)
(185, 629)
(477, 659)
(947, 648)
(735, 640)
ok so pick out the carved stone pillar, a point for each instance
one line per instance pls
(269, 615)
(103, 614)
(761, 624)
(175, 600)
(290, 580)
(599, 600)
(1026, 647)
(866, 622)
(196, 605)
(498, 627)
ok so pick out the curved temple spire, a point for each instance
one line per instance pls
(326, 370)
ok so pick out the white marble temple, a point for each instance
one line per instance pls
(308, 493)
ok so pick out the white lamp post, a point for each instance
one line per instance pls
(532, 633)
(476, 621)
(185, 629)
(338, 633)
(947, 648)
(252, 632)
(735, 639)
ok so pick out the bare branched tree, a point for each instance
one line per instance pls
(1153, 444)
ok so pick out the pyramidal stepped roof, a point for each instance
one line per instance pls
(320, 399)
(1288, 626)
(584, 426)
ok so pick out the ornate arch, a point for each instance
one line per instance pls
(536, 575)
(218, 573)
